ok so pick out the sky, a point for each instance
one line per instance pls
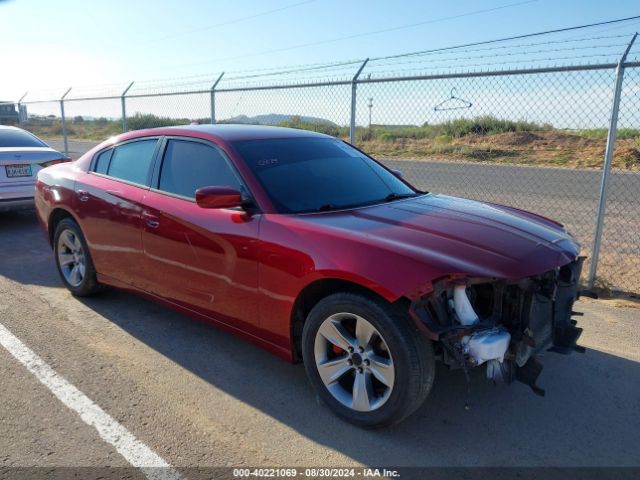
(99, 47)
(56, 44)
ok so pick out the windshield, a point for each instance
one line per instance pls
(10, 137)
(316, 174)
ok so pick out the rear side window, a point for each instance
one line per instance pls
(131, 161)
(188, 166)
(13, 137)
(102, 162)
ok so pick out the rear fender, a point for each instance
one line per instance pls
(54, 193)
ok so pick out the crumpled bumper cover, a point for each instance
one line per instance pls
(537, 311)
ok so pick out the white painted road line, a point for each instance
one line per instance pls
(132, 449)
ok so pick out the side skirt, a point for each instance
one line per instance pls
(277, 350)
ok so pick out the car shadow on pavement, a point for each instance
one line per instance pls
(588, 417)
(25, 255)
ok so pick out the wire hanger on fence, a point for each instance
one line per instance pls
(452, 103)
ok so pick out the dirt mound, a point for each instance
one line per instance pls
(553, 139)
(515, 138)
(571, 140)
(627, 155)
(557, 148)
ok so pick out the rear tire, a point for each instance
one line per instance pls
(73, 260)
(366, 360)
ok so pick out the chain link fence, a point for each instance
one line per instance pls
(532, 138)
(534, 162)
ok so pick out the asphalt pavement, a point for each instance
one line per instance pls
(197, 396)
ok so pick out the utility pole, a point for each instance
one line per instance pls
(370, 107)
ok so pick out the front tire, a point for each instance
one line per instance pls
(366, 360)
(73, 259)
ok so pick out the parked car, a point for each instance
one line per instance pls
(22, 155)
(309, 248)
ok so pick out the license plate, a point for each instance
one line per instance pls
(14, 171)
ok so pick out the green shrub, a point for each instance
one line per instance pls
(447, 131)
(601, 133)
(321, 127)
(56, 128)
(488, 125)
(148, 120)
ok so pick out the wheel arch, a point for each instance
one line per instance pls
(321, 288)
(55, 217)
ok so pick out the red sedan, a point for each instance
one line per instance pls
(309, 248)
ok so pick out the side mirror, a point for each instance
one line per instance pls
(218, 197)
(397, 173)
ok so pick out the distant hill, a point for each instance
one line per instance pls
(275, 119)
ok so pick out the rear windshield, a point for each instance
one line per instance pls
(10, 137)
(318, 174)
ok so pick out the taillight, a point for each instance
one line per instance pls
(55, 162)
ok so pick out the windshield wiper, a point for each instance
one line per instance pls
(326, 207)
(392, 196)
(398, 196)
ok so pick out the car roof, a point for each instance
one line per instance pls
(235, 132)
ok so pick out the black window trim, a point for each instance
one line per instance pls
(159, 160)
(94, 161)
(154, 156)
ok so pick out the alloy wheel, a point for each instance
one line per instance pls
(354, 362)
(71, 258)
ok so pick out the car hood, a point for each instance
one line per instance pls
(458, 236)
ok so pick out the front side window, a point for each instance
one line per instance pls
(315, 174)
(131, 161)
(188, 166)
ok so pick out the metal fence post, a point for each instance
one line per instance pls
(64, 122)
(354, 86)
(124, 107)
(213, 99)
(19, 113)
(606, 168)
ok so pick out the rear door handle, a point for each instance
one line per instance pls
(83, 195)
(152, 221)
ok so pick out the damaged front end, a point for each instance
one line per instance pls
(503, 324)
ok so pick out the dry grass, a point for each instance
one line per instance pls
(543, 148)
(484, 139)
(94, 130)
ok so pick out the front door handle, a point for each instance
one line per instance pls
(152, 221)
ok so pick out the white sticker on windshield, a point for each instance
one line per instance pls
(264, 162)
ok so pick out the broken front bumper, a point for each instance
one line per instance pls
(528, 316)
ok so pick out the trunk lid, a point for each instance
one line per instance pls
(21, 164)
